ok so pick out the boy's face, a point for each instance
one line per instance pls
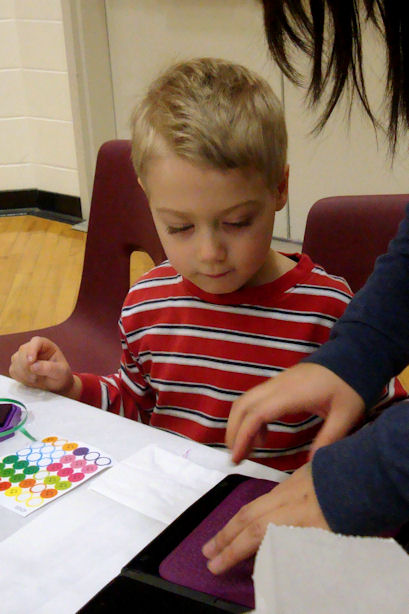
(215, 226)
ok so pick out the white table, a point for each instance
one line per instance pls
(57, 558)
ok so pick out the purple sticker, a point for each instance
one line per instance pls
(81, 451)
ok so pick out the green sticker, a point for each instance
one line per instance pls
(19, 477)
(31, 469)
(51, 479)
(8, 460)
(63, 485)
(21, 464)
(5, 473)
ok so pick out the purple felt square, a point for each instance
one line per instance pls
(186, 565)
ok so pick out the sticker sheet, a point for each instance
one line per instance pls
(45, 470)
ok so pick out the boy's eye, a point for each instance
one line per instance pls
(239, 224)
(175, 229)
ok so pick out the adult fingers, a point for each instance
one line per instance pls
(242, 546)
(240, 538)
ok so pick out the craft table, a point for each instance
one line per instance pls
(58, 557)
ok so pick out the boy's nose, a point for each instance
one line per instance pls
(211, 248)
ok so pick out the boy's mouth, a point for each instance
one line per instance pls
(217, 275)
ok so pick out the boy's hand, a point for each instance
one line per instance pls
(41, 364)
(305, 387)
(293, 503)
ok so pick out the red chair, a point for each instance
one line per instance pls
(120, 223)
(345, 234)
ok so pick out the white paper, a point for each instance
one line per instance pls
(300, 571)
(66, 554)
(157, 483)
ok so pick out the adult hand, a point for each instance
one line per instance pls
(304, 387)
(41, 364)
(293, 502)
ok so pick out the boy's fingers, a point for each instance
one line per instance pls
(48, 368)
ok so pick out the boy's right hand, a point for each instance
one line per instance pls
(41, 364)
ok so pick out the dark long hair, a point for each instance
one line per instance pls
(338, 69)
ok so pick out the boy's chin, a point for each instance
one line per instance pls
(222, 285)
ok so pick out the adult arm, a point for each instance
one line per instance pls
(362, 481)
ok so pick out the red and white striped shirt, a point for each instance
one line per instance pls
(187, 354)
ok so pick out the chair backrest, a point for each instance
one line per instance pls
(120, 223)
(345, 234)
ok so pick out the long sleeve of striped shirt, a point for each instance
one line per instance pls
(187, 354)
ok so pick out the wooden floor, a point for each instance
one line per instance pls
(40, 271)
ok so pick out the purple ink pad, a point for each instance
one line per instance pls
(186, 565)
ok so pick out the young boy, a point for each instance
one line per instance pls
(226, 312)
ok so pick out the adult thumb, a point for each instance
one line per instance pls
(336, 426)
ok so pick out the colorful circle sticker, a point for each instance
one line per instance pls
(21, 464)
(28, 483)
(90, 468)
(68, 458)
(34, 502)
(69, 447)
(54, 467)
(92, 456)
(34, 457)
(44, 462)
(48, 493)
(103, 461)
(18, 477)
(4, 485)
(48, 450)
(31, 469)
(6, 473)
(50, 439)
(23, 497)
(9, 460)
(51, 479)
(38, 488)
(13, 491)
(24, 452)
(76, 477)
(63, 485)
(78, 463)
(81, 451)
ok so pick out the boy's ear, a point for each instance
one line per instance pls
(282, 189)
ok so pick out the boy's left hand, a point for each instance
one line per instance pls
(293, 503)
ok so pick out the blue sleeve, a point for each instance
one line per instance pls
(362, 481)
(370, 343)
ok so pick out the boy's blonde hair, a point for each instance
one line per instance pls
(213, 113)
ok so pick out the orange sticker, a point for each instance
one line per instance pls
(28, 483)
(68, 447)
(48, 493)
(49, 439)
